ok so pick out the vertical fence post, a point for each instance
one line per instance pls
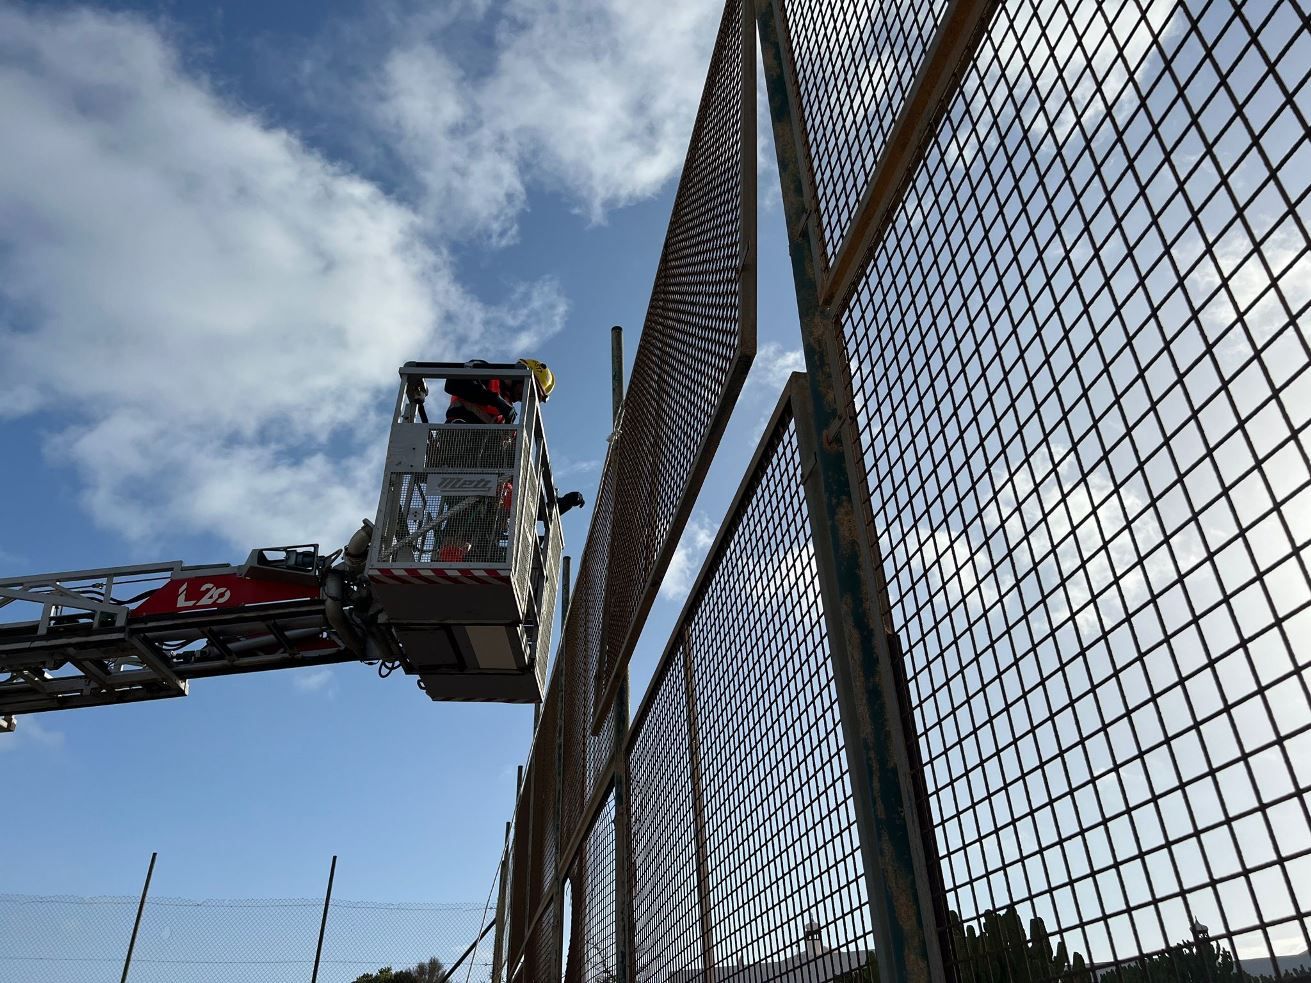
(908, 938)
(624, 958)
(136, 925)
(323, 923)
(616, 372)
(561, 862)
(566, 584)
(498, 940)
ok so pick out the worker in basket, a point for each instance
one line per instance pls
(475, 532)
(492, 401)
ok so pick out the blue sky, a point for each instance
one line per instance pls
(221, 229)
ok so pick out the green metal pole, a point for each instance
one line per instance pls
(624, 967)
(498, 940)
(897, 876)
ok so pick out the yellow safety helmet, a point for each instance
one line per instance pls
(542, 375)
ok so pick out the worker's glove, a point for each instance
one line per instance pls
(573, 500)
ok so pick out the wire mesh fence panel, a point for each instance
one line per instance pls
(64, 939)
(538, 842)
(746, 856)
(540, 962)
(586, 755)
(854, 64)
(666, 917)
(592, 953)
(61, 940)
(573, 678)
(696, 344)
(546, 793)
(1082, 386)
(364, 937)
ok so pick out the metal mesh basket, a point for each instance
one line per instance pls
(448, 494)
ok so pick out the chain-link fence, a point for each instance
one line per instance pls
(86, 940)
(999, 667)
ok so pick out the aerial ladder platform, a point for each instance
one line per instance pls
(454, 582)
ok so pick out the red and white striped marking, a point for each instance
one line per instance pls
(442, 575)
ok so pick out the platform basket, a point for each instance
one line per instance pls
(465, 558)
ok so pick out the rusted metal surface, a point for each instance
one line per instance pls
(522, 904)
(696, 345)
(852, 66)
(743, 825)
(1024, 662)
(959, 31)
(896, 871)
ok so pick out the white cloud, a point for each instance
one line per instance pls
(1086, 532)
(775, 364)
(569, 469)
(594, 98)
(1258, 297)
(29, 732)
(313, 680)
(209, 312)
(697, 538)
(467, 173)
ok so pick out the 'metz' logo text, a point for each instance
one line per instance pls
(464, 484)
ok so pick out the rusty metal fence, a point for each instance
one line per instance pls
(1000, 667)
(697, 343)
(743, 824)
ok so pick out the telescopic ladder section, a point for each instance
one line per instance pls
(132, 633)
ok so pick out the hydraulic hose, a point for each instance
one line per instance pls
(334, 594)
